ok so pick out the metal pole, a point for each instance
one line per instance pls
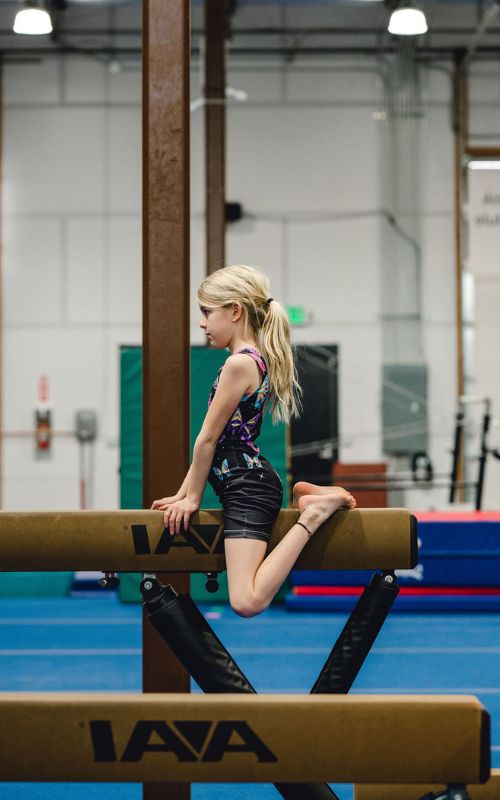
(457, 452)
(460, 138)
(485, 429)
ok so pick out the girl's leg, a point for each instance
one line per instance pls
(243, 559)
(253, 579)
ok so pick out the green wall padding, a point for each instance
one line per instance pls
(130, 427)
(35, 584)
(204, 366)
(130, 452)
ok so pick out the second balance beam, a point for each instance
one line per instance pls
(297, 738)
(136, 541)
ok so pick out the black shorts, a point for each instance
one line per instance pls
(251, 502)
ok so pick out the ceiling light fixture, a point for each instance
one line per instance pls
(33, 19)
(407, 20)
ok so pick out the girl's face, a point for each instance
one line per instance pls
(217, 324)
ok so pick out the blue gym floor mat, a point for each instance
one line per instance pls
(430, 603)
(80, 644)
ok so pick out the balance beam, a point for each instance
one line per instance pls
(488, 791)
(268, 738)
(136, 541)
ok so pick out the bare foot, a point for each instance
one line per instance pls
(316, 509)
(302, 488)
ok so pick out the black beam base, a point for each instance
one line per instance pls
(358, 635)
(187, 633)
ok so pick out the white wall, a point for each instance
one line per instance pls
(303, 149)
(303, 152)
(71, 267)
(483, 255)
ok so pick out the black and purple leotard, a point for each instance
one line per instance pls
(247, 485)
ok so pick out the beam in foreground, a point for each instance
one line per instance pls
(136, 541)
(263, 738)
(487, 791)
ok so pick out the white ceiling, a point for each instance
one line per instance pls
(259, 28)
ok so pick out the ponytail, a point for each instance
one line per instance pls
(275, 345)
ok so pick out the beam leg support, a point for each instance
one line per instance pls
(452, 792)
(353, 645)
(358, 635)
(187, 633)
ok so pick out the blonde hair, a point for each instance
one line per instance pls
(269, 325)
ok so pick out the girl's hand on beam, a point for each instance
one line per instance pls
(179, 513)
(163, 502)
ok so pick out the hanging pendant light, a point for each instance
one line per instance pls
(407, 20)
(33, 19)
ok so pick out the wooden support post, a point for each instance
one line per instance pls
(215, 132)
(483, 152)
(166, 54)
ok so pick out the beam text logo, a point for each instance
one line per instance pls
(202, 539)
(188, 740)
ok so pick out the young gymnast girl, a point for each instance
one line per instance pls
(238, 314)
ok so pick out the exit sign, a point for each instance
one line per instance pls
(297, 315)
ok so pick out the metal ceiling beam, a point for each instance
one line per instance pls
(487, 19)
(285, 52)
(283, 31)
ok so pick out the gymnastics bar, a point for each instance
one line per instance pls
(269, 738)
(487, 791)
(136, 541)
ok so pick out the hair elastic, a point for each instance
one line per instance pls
(309, 533)
(268, 302)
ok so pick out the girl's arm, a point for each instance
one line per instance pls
(234, 381)
(181, 494)
(203, 455)
(184, 488)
